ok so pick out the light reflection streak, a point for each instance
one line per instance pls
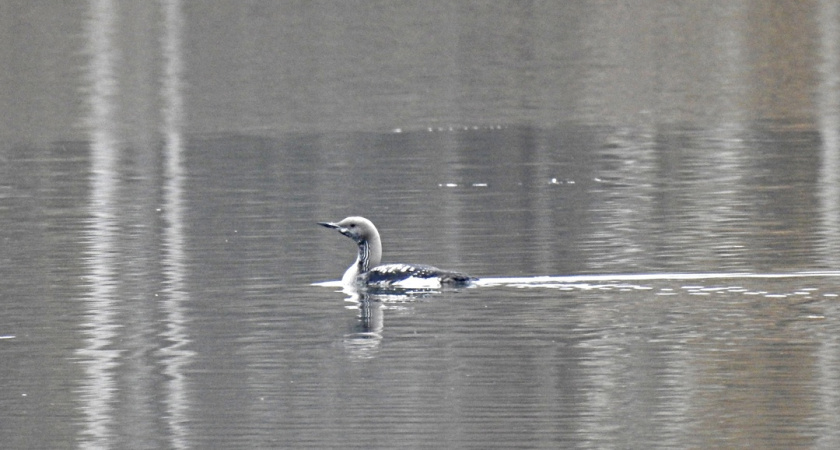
(542, 280)
(175, 357)
(829, 120)
(98, 390)
(107, 404)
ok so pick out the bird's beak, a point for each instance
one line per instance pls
(339, 228)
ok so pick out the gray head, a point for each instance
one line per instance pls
(364, 233)
(357, 228)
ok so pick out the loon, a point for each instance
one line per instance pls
(367, 272)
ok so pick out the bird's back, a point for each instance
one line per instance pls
(413, 275)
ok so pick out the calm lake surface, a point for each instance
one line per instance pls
(650, 194)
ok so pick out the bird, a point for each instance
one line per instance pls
(367, 272)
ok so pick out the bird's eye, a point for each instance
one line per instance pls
(352, 225)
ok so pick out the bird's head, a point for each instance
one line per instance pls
(357, 228)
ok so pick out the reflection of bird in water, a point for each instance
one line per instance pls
(366, 271)
(370, 316)
(366, 333)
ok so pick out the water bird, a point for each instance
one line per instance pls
(366, 271)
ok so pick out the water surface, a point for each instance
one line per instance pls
(650, 196)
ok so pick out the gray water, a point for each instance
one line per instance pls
(649, 192)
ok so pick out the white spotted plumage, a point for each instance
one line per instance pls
(366, 270)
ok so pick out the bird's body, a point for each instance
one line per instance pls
(367, 271)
